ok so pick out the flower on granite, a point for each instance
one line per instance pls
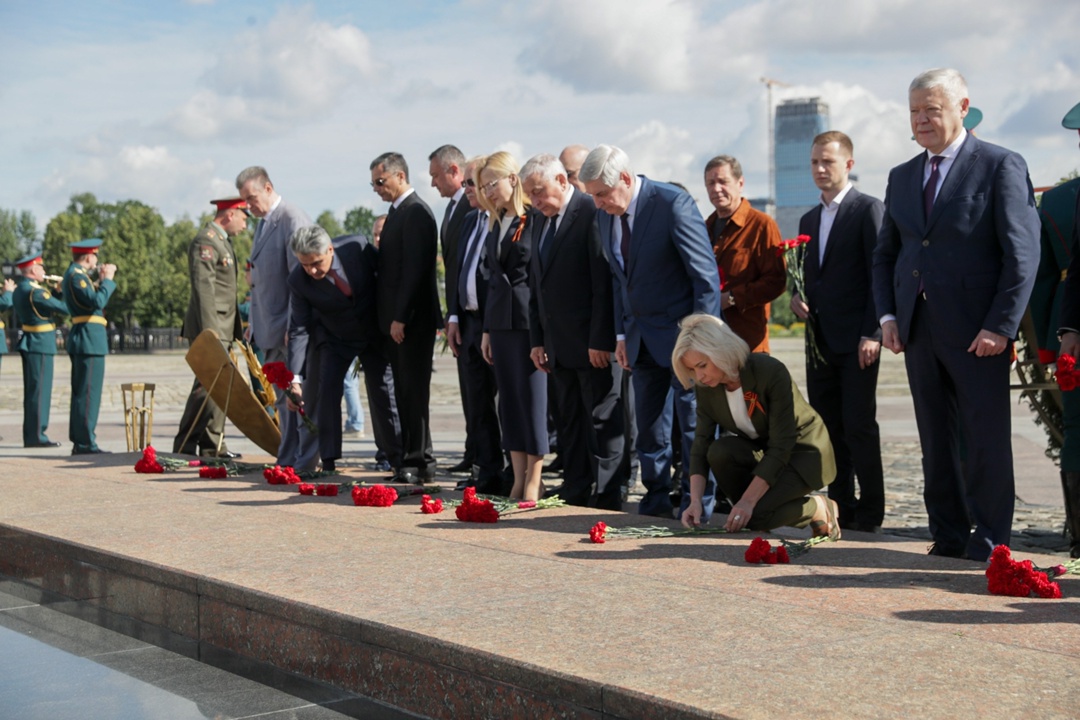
(1020, 578)
(374, 496)
(430, 506)
(759, 551)
(598, 532)
(473, 509)
(194, 463)
(213, 472)
(148, 462)
(306, 488)
(279, 475)
(326, 489)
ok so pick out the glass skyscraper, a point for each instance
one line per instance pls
(797, 123)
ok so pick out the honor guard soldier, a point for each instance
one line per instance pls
(35, 308)
(212, 265)
(88, 342)
(1055, 305)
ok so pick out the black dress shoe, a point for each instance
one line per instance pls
(944, 551)
(555, 466)
(462, 467)
(865, 527)
(328, 466)
(89, 451)
(405, 476)
(47, 443)
(224, 455)
(462, 484)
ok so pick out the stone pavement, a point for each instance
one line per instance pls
(527, 618)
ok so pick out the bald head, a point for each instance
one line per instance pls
(572, 157)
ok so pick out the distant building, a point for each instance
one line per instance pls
(797, 123)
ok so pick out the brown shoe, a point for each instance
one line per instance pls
(829, 526)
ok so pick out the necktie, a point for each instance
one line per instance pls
(340, 282)
(475, 240)
(930, 191)
(545, 244)
(258, 230)
(446, 220)
(625, 244)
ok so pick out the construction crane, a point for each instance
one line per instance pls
(769, 83)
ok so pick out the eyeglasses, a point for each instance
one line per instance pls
(379, 183)
(488, 186)
(470, 182)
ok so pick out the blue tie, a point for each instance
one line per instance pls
(930, 191)
(624, 246)
(545, 244)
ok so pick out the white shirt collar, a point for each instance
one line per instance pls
(949, 153)
(401, 198)
(838, 199)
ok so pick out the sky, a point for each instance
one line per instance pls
(166, 101)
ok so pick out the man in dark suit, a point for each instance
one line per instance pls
(662, 269)
(953, 269)
(842, 384)
(271, 262)
(333, 293)
(447, 169)
(572, 329)
(408, 308)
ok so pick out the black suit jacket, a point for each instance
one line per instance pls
(408, 290)
(454, 306)
(507, 306)
(838, 287)
(450, 244)
(321, 314)
(571, 308)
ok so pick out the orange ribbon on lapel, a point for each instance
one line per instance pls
(520, 229)
(753, 404)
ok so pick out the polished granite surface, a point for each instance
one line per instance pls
(55, 665)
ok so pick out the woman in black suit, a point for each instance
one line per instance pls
(506, 344)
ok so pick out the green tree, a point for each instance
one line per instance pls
(359, 221)
(18, 234)
(330, 224)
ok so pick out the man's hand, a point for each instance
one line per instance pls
(9, 285)
(540, 359)
(296, 390)
(725, 300)
(397, 331)
(799, 306)
(599, 358)
(485, 349)
(988, 343)
(620, 354)
(869, 351)
(453, 337)
(1070, 344)
(890, 336)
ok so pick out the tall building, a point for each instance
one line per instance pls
(797, 123)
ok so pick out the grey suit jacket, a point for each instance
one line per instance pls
(975, 256)
(271, 262)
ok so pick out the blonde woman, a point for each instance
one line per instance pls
(775, 452)
(506, 344)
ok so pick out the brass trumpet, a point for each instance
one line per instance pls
(53, 279)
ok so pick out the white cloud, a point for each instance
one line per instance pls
(271, 79)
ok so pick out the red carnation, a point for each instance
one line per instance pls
(759, 549)
(782, 556)
(598, 532)
(473, 510)
(213, 472)
(1066, 363)
(374, 496)
(306, 488)
(326, 489)
(279, 475)
(430, 506)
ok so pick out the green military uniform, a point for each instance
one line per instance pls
(87, 345)
(1057, 211)
(212, 266)
(35, 308)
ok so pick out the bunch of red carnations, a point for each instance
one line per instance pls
(762, 551)
(1067, 376)
(279, 475)
(374, 496)
(475, 510)
(431, 506)
(1020, 578)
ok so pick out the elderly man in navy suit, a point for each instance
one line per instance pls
(953, 269)
(662, 269)
(271, 261)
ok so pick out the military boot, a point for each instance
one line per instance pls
(1070, 484)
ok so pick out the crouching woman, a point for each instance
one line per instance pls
(773, 451)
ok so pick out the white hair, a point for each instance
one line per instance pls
(713, 338)
(605, 163)
(950, 81)
(545, 165)
(310, 240)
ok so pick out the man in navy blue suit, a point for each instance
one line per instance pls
(953, 269)
(663, 269)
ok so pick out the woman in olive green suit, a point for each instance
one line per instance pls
(774, 451)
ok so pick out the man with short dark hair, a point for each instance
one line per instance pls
(953, 270)
(746, 244)
(842, 385)
(408, 308)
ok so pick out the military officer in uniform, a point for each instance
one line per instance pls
(35, 309)
(88, 342)
(1055, 305)
(212, 265)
